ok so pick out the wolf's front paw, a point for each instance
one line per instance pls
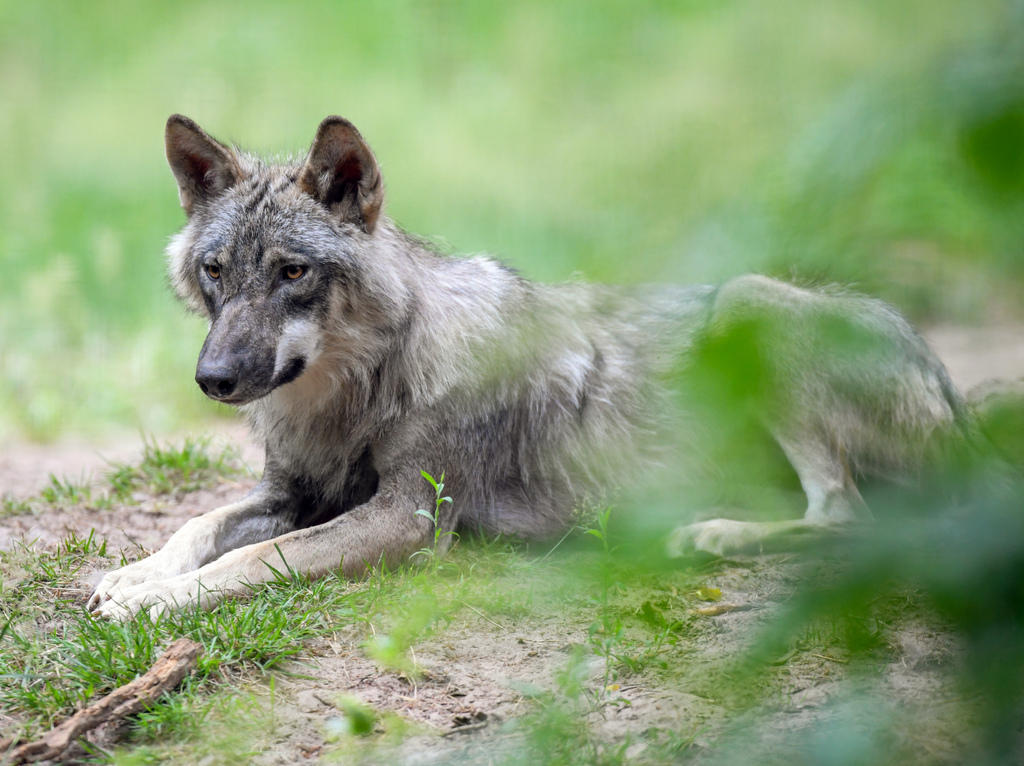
(156, 596)
(717, 536)
(114, 584)
(123, 607)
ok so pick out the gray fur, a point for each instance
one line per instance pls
(527, 397)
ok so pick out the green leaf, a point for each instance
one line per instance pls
(361, 717)
(650, 614)
(706, 593)
(430, 478)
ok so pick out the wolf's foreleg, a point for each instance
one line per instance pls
(202, 539)
(384, 530)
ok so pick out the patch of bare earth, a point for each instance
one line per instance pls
(25, 469)
(471, 685)
(469, 696)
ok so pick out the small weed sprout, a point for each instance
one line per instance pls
(601, 531)
(607, 634)
(435, 516)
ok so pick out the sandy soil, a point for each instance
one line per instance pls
(974, 355)
(466, 695)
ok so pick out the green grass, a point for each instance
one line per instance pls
(55, 670)
(170, 469)
(59, 492)
(857, 142)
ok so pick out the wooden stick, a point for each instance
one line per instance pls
(173, 665)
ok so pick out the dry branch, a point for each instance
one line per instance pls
(173, 665)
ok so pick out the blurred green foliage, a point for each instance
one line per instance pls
(950, 551)
(876, 143)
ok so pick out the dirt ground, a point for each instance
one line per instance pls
(25, 470)
(468, 692)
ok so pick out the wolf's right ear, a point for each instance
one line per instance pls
(203, 166)
(342, 174)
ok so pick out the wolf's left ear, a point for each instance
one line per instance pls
(342, 173)
(203, 166)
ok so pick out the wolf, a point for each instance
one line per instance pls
(361, 356)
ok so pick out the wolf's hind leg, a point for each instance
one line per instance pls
(833, 502)
(199, 541)
(824, 473)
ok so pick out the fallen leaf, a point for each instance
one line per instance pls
(708, 594)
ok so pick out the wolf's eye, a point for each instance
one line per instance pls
(212, 270)
(294, 271)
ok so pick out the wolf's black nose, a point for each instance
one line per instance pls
(216, 382)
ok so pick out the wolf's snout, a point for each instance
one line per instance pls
(216, 382)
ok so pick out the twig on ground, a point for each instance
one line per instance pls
(831, 659)
(173, 665)
(482, 616)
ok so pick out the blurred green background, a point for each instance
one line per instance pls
(875, 143)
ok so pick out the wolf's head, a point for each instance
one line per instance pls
(270, 251)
